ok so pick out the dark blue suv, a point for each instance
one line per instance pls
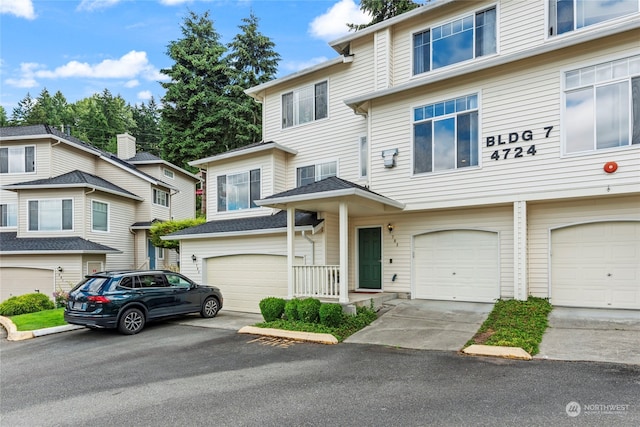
(127, 300)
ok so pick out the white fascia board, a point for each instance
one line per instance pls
(59, 186)
(136, 173)
(52, 252)
(630, 24)
(165, 163)
(253, 91)
(282, 230)
(232, 154)
(330, 195)
(90, 150)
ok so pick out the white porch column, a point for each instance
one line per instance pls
(344, 252)
(291, 253)
(520, 291)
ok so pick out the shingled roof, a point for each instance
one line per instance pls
(10, 243)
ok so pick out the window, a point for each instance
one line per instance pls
(50, 215)
(160, 198)
(238, 191)
(364, 157)
(9, 215)
(99, 216)
(602, 106)
(17, 159)
(305, 105)
(159, 253)
(168, 173)
(456, 41)
(570, 15)
(310, 174)
(445, 135)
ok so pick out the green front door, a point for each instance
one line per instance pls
(369, 258)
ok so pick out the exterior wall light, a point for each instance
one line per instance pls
(390, 227)
(194, 258)
(59, 269)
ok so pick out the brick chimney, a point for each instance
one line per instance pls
(126, 146)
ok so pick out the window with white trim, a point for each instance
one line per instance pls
(8, 215)
(238, 191)
(571, 15)
(99, 216)
(312, 173)
(445, 135)
(20, 159)
(456, 41)
(159, 253)
(160, 198)
(305, 104)
(602, 106)
(364, 157)
(50, 215)
(168, 173)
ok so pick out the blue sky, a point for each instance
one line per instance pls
(81, 47)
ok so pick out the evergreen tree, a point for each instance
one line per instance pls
(381, 10)
(22, 112)
(50, 110)
(253, 61)
(147, 130)
(193, 108)
(4, 120)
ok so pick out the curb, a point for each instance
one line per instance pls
(497, 351)
(292, 335)
(13, 334)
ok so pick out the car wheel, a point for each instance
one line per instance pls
(131, 322)
(210, 307)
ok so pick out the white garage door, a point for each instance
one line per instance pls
(19, 281)
(246, 279)
(596, 265)
(461, 265)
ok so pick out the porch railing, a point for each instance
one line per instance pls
(319, 281)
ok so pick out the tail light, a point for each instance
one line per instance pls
(98, 299)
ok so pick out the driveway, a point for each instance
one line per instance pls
(425, 325)
(592, 334)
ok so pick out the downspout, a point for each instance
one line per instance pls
(313, 246)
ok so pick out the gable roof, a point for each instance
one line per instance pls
(243, 151)
(276, 223)
(74, 179)
(11, 244)
(144, 158)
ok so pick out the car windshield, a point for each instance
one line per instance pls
(91, 284)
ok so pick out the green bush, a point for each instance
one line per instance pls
(331, 315)
(309, 310)
(272, 308)
(291, 310)
(23, 304)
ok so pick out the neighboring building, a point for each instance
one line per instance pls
(68, 209)
(462, 151)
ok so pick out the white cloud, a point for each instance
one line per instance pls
(19, 8)
(91, 5)
(174, 2)
(333, 23)
(27, 76)
(27, 82)
(293, 66)
(132, 83)
(129, 66)
(145, 95)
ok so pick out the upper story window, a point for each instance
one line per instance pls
(168, 173)
(570, 15)
(99, 216)
(17, 159)
(445, 135)
(304, 105)
(602, 106)
(50, 215)
(364, 157)
(8, 215)
(238, 191)
(160, 198)
(466, 38)
(310, 174)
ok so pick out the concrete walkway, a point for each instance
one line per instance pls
(592, 334)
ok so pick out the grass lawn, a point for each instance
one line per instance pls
(514, 323)
(39, 320)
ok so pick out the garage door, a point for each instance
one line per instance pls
(19, 281)
(596, 265)
(246, 279)
(461, 265)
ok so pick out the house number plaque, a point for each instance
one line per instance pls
(514, 152)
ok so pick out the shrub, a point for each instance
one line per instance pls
(272, 308)
(291, 310)
(331, 314)
(309, 310)
(61, 298)
(23, 304)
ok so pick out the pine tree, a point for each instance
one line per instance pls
(147, 130)
(22, 112)
(381, 10)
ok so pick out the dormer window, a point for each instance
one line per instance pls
(570, 15)
(456, 41)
